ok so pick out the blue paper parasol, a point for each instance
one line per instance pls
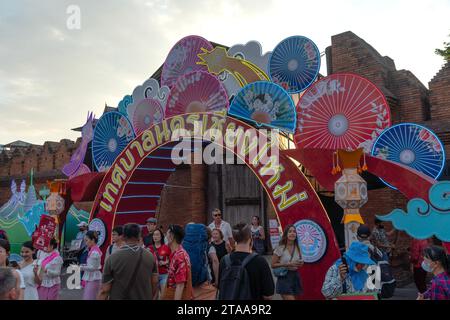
(412, 145)
(267, 103)
(295, 63)
(112, 134)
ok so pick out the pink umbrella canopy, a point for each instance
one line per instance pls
(146, 113)
(197, 91)
(341, 111)
(183, 59)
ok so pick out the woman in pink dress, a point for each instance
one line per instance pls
(92, 276)
(50, 273)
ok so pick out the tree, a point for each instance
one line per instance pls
(445, 53)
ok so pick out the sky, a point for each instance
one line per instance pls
(52, 75)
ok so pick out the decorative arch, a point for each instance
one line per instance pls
(290, 192)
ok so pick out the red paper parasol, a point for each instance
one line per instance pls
(341, 111)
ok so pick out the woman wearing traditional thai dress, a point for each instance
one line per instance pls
(50, 273)
(92, 275)
(29, 270)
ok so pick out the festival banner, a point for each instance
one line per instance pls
(44, 233)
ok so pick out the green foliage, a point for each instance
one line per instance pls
(445, 53)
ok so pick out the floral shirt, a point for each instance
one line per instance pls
(333, 285)
(440, 288)
(179, 267)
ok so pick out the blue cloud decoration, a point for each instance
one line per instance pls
(422, 219)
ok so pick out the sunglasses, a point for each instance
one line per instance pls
(218, 215)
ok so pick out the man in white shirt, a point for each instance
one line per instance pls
(224, 226)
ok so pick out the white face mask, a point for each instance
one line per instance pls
(166, 240)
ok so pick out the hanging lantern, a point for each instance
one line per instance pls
(55, 204)
(350, 190)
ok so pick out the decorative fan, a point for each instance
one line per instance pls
(146, 113)
(82, 169)
(197, 91)
(412, 145)
(264, 102)
(112, 134)
(183, 59)
(295, 63)
(341, 111)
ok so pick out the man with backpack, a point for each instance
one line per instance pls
(131, 272)
(388, 283)
(244, 275)
(196, 244)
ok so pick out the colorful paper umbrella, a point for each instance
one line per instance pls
(183, 59)
(146, 113)
(295, 63)
(112, 134)
(412, 145)
(197, 91)
(341, 111)
(267, 103)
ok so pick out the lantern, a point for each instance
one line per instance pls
(55, 204)
(350, 190)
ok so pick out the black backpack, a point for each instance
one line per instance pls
(388, 283)
(234, 280)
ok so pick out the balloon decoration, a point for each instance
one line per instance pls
(112, 134)
(183, 59)
(197, 91)
(295, 63)
(265, 103)
(341, 111)
(146, 113)
(412, 145)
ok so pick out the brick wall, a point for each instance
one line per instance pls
(183, 199)
(440, 93)
(407, 96)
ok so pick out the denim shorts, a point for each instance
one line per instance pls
(163, 279)
(290, 284)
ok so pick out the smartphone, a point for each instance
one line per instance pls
(344, 262)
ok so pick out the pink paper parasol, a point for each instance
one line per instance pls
(183, 59)
(146, 113)
(197, 91)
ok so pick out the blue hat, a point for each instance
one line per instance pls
(359, 252)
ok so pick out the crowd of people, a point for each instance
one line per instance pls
(218, 261)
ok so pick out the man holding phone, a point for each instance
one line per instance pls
(348, 274)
